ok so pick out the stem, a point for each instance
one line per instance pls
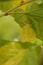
(13, 8)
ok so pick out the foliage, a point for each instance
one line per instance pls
(21, 33)
(34, 17)
(9, 29)
(11, 54)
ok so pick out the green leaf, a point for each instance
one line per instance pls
(9, 29)
(20, 17)
(38, 1)
(5, 5)
(4, 42)
(35, 18)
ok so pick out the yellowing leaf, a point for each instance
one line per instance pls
(27, 34)
(24, 6)
(15, 60)
(17, 2)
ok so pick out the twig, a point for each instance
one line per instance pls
(13, 8)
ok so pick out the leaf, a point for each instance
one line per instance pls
(24, 6)
(5, 5)
(27, 33)
(4, 42)
(20, 17)
(38, 1)
(16, 53)
(33, 6)
(29, 59)
(9, 29)
(35, 18)
(15, 2)
(11, 54)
